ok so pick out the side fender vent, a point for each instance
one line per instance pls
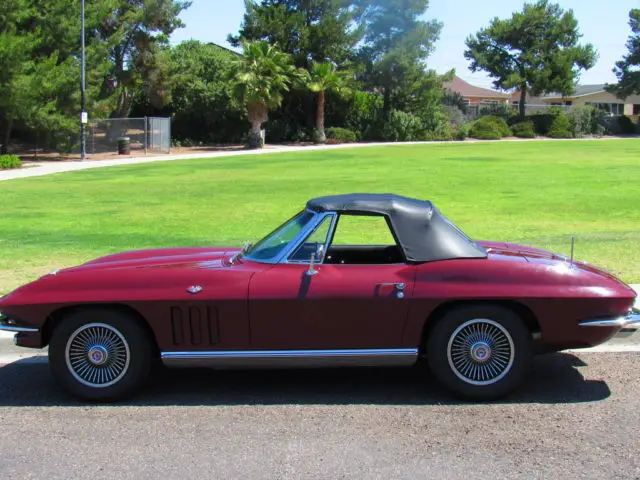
(195, 325)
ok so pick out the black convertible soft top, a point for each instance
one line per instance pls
(424, 234)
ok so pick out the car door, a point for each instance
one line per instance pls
(294, 305)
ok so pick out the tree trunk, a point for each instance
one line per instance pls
(255, 135)
(523, 100)
(7, 136)
(320, 136)
(257, 114)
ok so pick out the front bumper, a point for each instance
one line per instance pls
(6, 327)
(24, 336)
(627, 325)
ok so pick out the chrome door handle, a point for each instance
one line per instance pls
(398, 286)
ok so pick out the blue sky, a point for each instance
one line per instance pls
(602, 23)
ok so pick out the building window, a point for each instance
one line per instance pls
(612, 108)
(636, 109)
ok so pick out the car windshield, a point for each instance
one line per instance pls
(274, 243)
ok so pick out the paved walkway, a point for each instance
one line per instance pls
(37, 169)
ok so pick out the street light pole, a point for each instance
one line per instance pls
(83, 96)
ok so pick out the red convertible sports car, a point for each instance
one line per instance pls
(475, 311)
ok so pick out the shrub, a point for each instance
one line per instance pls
(626, 125)
(342, 135)
(560, 128)
(363, 113)
(402, 127)
(8, 162)
(485, 131)
(463, 131)
(508, 112)
(443, 132)
(454, 115)
(583, 120)
(373, 132)
(541, 122)
(500, 123)
(524, 130)
(281, 130)
(490, 128)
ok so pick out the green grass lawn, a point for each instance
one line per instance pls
(537, 193)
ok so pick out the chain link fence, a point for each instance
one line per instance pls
(145, 135)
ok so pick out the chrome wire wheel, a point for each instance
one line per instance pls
(97, 355)
(480, 352)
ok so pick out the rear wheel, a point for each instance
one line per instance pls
(480, 352)
(100, 355)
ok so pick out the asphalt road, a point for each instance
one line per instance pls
(578, 415)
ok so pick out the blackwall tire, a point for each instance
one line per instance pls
(100, 355)
(480, 352)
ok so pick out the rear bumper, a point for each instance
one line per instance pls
(626, 325)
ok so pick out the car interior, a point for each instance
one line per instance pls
(347, 246)
(363, 254)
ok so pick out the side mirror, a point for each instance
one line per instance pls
(316, 256)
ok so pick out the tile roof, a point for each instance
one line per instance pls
(467, 90)
(579, 91)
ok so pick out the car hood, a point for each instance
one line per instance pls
(202, 258)
(152, 275)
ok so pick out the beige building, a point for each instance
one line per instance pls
(594, 95)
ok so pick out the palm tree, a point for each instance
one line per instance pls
(323, 78)
(259, 77)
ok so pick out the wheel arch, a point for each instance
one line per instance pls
(522, 310)
(57, 316)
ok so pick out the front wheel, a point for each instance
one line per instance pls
(480, 352)
(99, 355)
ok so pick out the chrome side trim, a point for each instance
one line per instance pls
(16, 329)
(605, 322)
(633, 319)
(293, 358)
(290, 353)
(628, 325)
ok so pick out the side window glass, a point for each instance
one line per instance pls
(362, 230)
(308, 246)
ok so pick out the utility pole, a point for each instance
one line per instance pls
(83, 94)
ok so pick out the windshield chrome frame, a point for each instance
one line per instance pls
(317, 222)
(297, 240)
